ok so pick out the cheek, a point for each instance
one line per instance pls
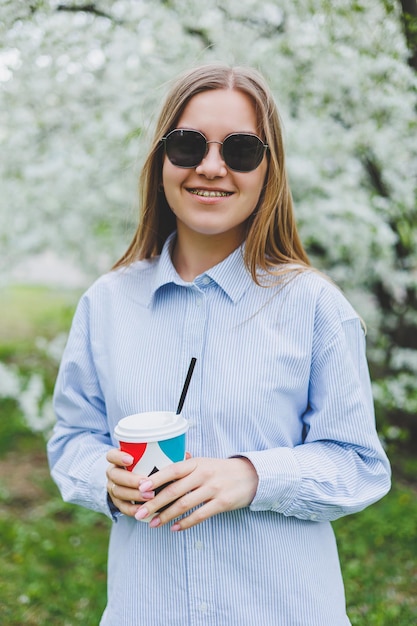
(254, 185)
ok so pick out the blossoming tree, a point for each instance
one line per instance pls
(80, 83)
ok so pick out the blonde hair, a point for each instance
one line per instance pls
(272, 239)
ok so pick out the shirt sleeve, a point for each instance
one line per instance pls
(341, 467)
(80, 440)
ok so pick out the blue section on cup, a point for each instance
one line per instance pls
(174, 448)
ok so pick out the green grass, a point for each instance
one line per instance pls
(30, 311)
(29, 318)
(53, 555)
(378, 550)
(53, 560)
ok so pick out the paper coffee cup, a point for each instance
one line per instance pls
(153, 439)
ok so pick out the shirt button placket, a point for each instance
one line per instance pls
(203, 607)
(199, 573)
(192, 346)
(195, 323)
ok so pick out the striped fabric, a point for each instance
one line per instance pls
(281, 378)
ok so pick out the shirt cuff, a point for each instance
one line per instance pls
(99, 494)
(279, 479)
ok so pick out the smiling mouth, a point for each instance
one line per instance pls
(205, 193)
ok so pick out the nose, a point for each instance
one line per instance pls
(212, 166)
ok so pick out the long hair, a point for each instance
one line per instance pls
(272, 241)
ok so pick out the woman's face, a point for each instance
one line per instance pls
(210, 200)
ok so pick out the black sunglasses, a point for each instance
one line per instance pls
(242, 152)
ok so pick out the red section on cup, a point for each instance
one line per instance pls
(136, 450)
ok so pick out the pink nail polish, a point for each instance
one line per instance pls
(154, 522)
(148, 495)
(146, 485)
(141, 513)
(175, 528)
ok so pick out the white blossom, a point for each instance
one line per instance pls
(9, 381)
(79, 93)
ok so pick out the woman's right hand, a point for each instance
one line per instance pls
(123, 486)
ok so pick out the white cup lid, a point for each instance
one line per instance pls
(152, 426)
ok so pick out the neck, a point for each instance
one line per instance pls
(194, 255)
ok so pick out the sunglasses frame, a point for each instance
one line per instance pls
(221, 143)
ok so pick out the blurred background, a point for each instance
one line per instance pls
(80, 86)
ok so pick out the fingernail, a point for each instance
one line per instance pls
(154, 522)
(126, 458)
(175, 528)
(141, 513)
(147, 494)
(145, 485)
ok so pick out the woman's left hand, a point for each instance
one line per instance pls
(217, 485)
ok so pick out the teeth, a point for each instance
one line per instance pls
(209, 194)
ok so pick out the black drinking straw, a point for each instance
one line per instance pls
(186, 385)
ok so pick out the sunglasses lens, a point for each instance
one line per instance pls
(185, 148)
(243, 153)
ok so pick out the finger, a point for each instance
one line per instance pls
(209, 509)
(192, 501)
(118, 457)
(169, 492)
(198, 515)
(127, 501)
(169, 474)
(126, 507)
(126, 494)
(119, 476)
(176, 499)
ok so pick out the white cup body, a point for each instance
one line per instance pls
(154, 439)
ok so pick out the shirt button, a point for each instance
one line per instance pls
(314, 517)
(198, 301)
(206, 280)
(199, 545)
(203, 607)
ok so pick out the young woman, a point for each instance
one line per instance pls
(281, 433)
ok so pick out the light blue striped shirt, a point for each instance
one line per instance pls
(281, 378)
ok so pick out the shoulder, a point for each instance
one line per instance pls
(314, 300)
(136, 274)
(333, 318)
(328, 297)
(131, 282)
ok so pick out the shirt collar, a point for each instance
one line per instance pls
(231, 274)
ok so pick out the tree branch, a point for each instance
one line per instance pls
(268, 29)
(201, 34)
(86, 8)
(409, 20)
(374, 172)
